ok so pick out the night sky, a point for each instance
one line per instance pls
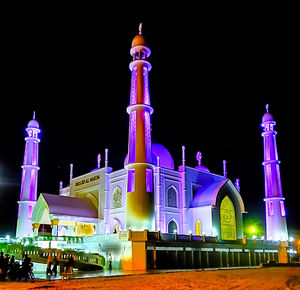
(214, 68)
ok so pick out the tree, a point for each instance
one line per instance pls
(253, 227)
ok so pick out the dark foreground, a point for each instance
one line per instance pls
(263, 278)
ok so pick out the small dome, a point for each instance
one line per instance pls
(199, 166)
(138, 40)
(165, 157)
(267, 117)
(33, 124)
(203, 168)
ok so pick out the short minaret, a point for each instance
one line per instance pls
(140, 201)
(225, 168)
(276, 228)
(28, 195)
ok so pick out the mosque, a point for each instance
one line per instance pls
(148, 192)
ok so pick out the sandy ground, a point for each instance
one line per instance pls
(264, 278)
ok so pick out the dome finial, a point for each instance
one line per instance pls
(267, 108)
(199, 157)
(140, 28)
(33, 115)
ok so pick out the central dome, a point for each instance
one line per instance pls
(165, 157)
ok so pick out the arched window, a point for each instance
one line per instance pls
(172, 227)
(227, 220)
(117, 197)
(171, 197)
(198, 228)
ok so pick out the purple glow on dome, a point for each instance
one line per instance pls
(165, 158)
(201, 167)
(33, 124)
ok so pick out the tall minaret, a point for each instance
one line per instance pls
(276, 228)
(140, 201)
(30, 168)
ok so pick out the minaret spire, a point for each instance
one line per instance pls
(98, 160)
(276, 228)
(140, 200)
(28, 195)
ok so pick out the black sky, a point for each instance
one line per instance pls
(214, 67)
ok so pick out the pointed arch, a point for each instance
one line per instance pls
(198, 228)
(117, 197)
(227, 220)
(117, 225)
(171, 198)
(172, 226)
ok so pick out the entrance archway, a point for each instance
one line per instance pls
(227, 220)
(172, 227)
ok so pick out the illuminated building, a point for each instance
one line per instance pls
(148, 193)
(30, 169)
(116, 211)
(276, 228)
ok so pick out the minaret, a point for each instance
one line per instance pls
(276, 228)
(140, 201)
(28, 195)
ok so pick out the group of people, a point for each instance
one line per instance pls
(11, 269)
(65, 266)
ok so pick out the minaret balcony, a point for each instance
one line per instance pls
(270, 162)
(32, 139)
(138, 107)
(138, 48)
(138, 61)
(265, 133)
(30, 166)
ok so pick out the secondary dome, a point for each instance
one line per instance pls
(165, 157)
